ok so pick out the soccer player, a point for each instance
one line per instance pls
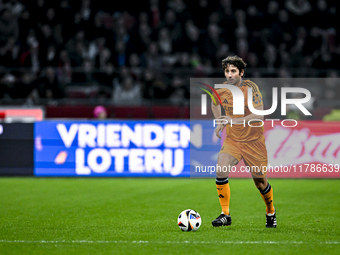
(242, 141)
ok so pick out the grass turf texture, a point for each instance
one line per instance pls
(139, 216)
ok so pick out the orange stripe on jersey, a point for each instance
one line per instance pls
(250, 84)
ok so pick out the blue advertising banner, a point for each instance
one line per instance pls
(158, 149)
(112, 148)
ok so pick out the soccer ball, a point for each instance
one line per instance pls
(189, 220)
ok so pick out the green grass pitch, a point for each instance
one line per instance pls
(139, 216)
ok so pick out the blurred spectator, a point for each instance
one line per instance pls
(86, 41)
(214, 18)
(155, 13)
(127, 93)
(76, 24)
(8, 25)
(97, 28)
(96, 46)
(199, 16)
(38, 11)
(323, 15)
(222, 51)
(196, 62)
(164, 41)
(135, 66)
(9, 53)
(144, 19)
(50, 58)
(161, 90)
(183, 60)
(79, 37)
(293, 114)
(284, 60)
(25, 24)
(174, 26)
(242, 49)
(129, 20)
(24, 86)
(284, 31)
(299, 10)
(226, 6)
(180, 8)
(102, 57)
(313, 43)
(178, 91)
(284, 73)
(48, 85)
(99, 112)
(16, 7)
(240, 18)
(212, 41)
(298, 7)
(152, 58)
(78, 55)
(334, 115)
(191, 39)
(252, 60)
(143, 38)
(121, 34)
(86, 11)
(7, 84)
(123, 73)
(272, 12)
(45, 35)
(296, 50)
(51, 19)
(64, 68)
(227, 19)
(147, 82)
(120, 55)
(331, 90)
(105, 76)
(270, 55)
(178, 97)
(64, 10)
(254, 19)
(30, 58)
(87, 75)
(58, 34)
(44, 38)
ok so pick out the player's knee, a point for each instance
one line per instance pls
(260, 183)
(224, 159)
(224, 164)
(222, 170)
(222, 174)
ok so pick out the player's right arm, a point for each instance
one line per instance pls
(217, 112)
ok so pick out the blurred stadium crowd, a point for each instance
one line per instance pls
(146, 51)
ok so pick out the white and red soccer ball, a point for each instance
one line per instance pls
(189, 220)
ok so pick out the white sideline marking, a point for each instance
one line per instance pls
(161, 242)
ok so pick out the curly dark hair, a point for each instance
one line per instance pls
(234, 60)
